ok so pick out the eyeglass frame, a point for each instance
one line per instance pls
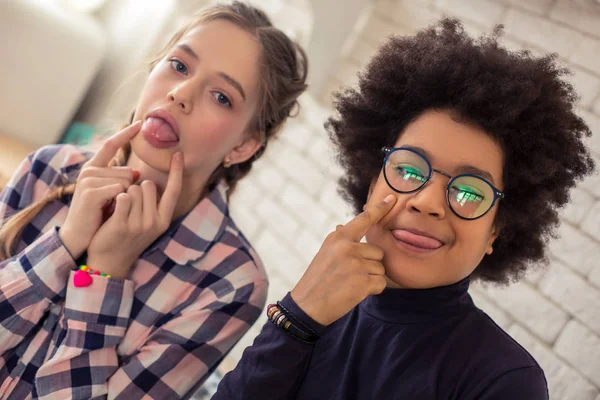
(498, 194)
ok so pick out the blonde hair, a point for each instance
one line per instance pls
(284, 70)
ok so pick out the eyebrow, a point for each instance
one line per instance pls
(186, 48)
(461, 169)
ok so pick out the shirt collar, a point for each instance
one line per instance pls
(191, 236)
(69, 171)
(420, 305)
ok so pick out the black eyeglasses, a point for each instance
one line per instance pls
(468, 196)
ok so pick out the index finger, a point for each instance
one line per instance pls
(113, 144)
(360, 225)
(169, 198)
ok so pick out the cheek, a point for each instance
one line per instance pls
(378, 190)
(151, 92)
(472, 239)
(212, 129)
(211, 134)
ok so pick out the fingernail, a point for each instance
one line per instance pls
(388, 199)
(136, 175)
(179, 157)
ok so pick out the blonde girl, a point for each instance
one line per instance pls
(122, 272)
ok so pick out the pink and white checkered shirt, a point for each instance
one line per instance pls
(190, 297)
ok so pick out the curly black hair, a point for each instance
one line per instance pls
(520, 100)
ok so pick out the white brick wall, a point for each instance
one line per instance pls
(289, 203)
(564, 382)
(574, 248)
(537, 313)
(580, 347)
(573, 293)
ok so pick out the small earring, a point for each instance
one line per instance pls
(227, 162)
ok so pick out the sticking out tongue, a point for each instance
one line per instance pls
(162, 131)
(416, 240)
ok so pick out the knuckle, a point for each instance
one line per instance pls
(340, 249)
(355, 263)
(365, 215)
(86, 196)
(332, 237)
(123, 197)
(134, 190)
(85, 182)
(357, 282)
(148, 226)
(378, 253)
(110, 143)
(162, 225)
(85, 172)
(147, 184)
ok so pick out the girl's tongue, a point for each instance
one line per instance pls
(159, 128)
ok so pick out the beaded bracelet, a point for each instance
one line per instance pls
(283, 319)
(83, 276)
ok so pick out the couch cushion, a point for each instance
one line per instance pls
(12, 152)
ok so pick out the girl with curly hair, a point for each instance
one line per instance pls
(170, 283)
(461, 153)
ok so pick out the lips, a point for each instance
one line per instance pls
(417, 239)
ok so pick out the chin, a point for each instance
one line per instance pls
(409, 279)
(155, 158)
(413, 272)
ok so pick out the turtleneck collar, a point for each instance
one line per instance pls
(420, 305)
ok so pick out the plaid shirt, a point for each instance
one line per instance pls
(190, 297)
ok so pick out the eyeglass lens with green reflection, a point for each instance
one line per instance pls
(469, 196)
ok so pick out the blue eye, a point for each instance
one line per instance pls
(179, 67)
(222, 99)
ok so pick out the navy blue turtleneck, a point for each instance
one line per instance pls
(401, 344)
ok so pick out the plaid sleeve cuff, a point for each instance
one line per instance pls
(107, 301)
(47, 263)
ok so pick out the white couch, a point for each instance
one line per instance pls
(50, 55)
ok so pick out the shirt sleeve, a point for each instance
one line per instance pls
(172, 363)
(274, 366)
(528, 383)
(36, 277)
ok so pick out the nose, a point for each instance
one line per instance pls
(430, 200)
(181, 96)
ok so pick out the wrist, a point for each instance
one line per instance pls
(114, 268)
(75, 247)
(309, 308)
(284, 319)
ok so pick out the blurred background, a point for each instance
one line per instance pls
(72, 70)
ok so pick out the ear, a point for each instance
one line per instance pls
(246, 149)
(493, 236)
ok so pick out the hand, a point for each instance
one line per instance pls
(344, 271)
(97, 186)
(138, 220)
